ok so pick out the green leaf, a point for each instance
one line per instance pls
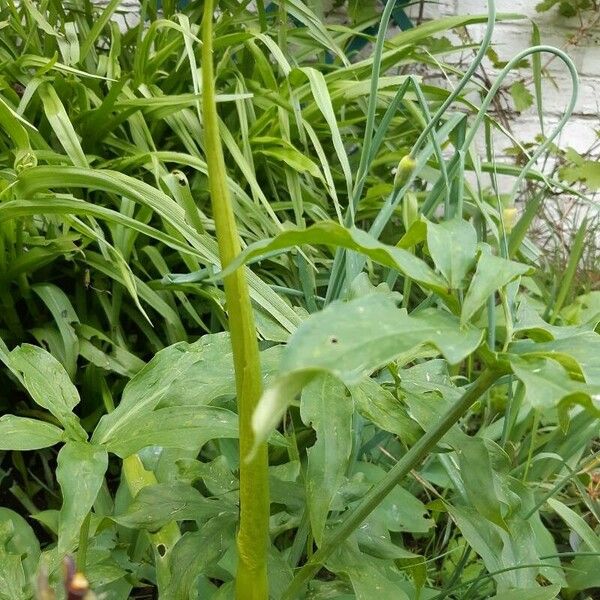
(80, 472)
(326, 407)
(18, 538)
(12, 578)
(49, 385)
(320, 92)
(492, 273)
(61, 124)
(587, 171)
(21, 433)
(204, 368)
(185, 427)
(362, 10)
(500, 550)
(548, 384)
(367, 575)
(399, 510)
(293, 158)
(579, 354)
(64, 315)
(546, 593)
(156, 505)
(351, 340)
(333, 234)
(195, 551)
(576, 523)
(381, 407)
(521, 96)
(484, 471)
(566, 9)
(453, 247)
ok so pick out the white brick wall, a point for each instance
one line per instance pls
(513, 36)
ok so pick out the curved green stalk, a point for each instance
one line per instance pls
(494, 90)
(379, 491)
(253, 534)
(481, 54)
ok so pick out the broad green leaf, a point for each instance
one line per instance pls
(154, 382)
(12, 578)
(351, 340)
(213, 376)
(18, 538)
(453, 247)
(484, 471)
(382, 408)
(584, 573)
(80, 473)
(185, 427)
(528, 320)
(369, 576)
(156, 505)
(326, 407)
(537, 593)
(332, 234)
(500, 550)
(374, 539)
(579, 354)
(492, 273)
(399, 510)
(49, 385)
(22, 433)
(216, 474)
(195, 551)
(548, 384)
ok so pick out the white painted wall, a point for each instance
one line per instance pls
(513, 36)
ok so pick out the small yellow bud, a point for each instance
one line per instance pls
(405, 168)
(509, 218)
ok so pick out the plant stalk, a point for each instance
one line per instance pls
(253, 534)
(412, 459)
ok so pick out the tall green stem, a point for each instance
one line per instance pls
(409, 461)
(253, 534)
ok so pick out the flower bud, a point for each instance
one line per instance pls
(405, 168)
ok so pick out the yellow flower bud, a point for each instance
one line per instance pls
(405, 168)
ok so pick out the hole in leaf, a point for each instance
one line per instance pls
(161, 549)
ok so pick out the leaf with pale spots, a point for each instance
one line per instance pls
(350, 340)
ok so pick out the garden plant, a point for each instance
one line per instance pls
(271, 328)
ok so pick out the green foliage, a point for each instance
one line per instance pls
(429, 422)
